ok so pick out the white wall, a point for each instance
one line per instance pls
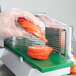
(63, 10)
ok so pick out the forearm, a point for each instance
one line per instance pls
(1, 26)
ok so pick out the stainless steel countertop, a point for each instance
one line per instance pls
(4, 71)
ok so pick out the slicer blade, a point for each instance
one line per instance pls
(53, 37)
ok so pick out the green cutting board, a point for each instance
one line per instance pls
(54, 62)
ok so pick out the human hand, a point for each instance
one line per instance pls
(8, 20)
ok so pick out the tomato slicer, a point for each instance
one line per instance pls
(59, 37)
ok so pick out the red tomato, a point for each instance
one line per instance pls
(39, 52)
(32, 28)
(39, 35)
(73, 68)
(30, 25)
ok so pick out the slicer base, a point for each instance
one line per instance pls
(23, 68)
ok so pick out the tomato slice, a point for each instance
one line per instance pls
(39, 52)
(28, 24)
(32, 28)
(39, 49)
(39, 35)
(73, 68)
(40, 57)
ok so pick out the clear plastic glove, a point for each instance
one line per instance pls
(44, 18)
(8, 21)
(47, 19)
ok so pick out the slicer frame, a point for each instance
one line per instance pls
(68, 42)
(68, 54)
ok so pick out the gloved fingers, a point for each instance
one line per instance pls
(5, 32)
(30, 17)
(40, 24)
(22, 13)
(18, 32)
(9, 18)
(22, 33)
(13, 31)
